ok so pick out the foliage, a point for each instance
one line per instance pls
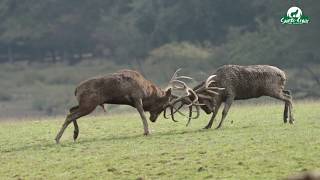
(256, 146)
(127, 31)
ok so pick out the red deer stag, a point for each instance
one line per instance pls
(125, 87)
(243, 82)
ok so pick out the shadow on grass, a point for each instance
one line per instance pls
(90, 140)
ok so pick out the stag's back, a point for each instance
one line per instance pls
(117, 88)
(250, 81)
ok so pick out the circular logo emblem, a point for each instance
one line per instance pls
(294, 12)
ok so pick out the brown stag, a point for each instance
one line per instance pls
(126, 87)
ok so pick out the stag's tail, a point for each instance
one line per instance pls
(74, 107)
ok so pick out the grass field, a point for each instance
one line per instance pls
(256, 146)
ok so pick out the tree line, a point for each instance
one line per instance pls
(243, 31)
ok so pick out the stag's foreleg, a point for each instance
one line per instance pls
(139, 106)
(225, 111)
(209, 125)
(214, 114)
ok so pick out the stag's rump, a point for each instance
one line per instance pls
(250, 81)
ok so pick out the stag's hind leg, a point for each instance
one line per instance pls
(288, 95)
(76, 130)
(75, 124)
(287, 98)
(72, 117)
(286, 107)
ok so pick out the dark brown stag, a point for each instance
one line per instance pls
(125, 87)
(243, 82)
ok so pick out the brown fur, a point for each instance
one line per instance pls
(245, 82)
(125, 87)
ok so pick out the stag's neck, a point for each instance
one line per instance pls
(154, 92)
(153, 96)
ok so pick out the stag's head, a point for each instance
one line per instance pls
(168, 99)
(158, 107)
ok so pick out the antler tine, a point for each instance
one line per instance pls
(184, 77)
(210, 80)
(175, 74)
(212, 92)
(195, 97)
(190, 114)
(216, 88)
(175, 77)
(171, 113)
(179, 82)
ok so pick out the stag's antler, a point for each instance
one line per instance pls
(176, 83)
(206, 88)
(206, 92)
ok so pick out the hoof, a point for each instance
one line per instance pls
(57, 141)
(146, 133)
(207, 127)
(291, 122)
(75, 136)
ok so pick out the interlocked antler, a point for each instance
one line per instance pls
(205, 92)
(176, 83)
(191, 99)
(206, 88)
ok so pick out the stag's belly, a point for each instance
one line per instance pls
(248, 92)
(124, 100)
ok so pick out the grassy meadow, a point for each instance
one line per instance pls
(257, 145)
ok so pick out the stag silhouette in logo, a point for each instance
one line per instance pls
(294, 14)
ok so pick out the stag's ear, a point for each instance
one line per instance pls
(168, 92)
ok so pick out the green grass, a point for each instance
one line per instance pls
(256, 146)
